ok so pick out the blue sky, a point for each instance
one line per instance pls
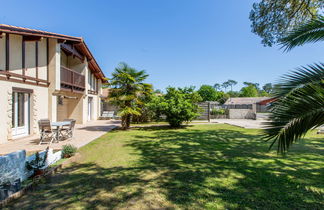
(178, 42)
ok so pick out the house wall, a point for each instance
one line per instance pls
(2, 52)
(15, 54)
(38, 107)
(54, 77)
(43, 100)
(71, 108)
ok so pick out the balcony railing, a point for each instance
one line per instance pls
(72, 80)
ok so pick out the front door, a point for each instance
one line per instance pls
(89, 108)
(20, 114)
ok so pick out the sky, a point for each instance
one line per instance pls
(178, 42)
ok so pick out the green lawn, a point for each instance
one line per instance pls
(202, 166)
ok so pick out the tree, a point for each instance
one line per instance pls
(300, 94)
(256, 85)
(231, 83)
(271, 19)
(217, 86)
(267, 87)
(178, 105)
(127, 91)
(208, 93)
(225, 85)
(233, 94)
(249, 91)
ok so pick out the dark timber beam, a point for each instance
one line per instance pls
(47, 59)
(32, 38)
(36, 59)
(69, 49)
(7, 52)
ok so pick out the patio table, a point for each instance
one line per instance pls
(58, 126)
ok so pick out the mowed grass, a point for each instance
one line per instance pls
(198, 167)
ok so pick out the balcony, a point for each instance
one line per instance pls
(71, 80)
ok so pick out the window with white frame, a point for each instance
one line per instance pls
(92, 81)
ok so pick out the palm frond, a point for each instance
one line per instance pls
(310, 32)
(294, 114)
(305, 75)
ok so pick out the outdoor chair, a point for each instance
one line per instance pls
(46, 131)
(67, 131)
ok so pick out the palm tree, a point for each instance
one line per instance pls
(300, 94)
(127, 90)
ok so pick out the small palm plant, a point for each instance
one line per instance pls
(127, 90)
(300, 94)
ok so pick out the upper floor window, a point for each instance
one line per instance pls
(92, 81)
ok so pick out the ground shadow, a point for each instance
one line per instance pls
(226, 168)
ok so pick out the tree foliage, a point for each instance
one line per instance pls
(271, 19)
(267, 88)
(249, 91)
(208, 93)
(128, 91)
(231, 83)
(178, 105)
(300, 97)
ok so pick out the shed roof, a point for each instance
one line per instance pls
(245, 100)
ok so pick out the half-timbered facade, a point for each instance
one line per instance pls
(45, 75)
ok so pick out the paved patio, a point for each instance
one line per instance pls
(83, 134)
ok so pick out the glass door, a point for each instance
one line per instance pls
(20, 114)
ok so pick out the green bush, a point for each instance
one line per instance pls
(216, 111)
(177, 105)
(68, 150)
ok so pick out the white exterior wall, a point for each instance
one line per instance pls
(43, 100)
(15, 54)
(42, 59)
(2, 52)
(38, 107)
(54, 77)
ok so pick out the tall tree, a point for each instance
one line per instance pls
(225, 85)
(272, 19)
(217, 86)
(267, 87)
(300, 94)
(127, 91)
(231, 83)
(256, 85)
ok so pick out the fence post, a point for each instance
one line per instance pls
(208, 111)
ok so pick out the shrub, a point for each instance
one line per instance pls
(68, 150)
(208, 93)
(216, 111)
(177, 105)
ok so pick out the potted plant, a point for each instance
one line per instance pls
(37, 165)
(68, 150)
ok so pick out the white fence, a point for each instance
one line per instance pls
(13, 165)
